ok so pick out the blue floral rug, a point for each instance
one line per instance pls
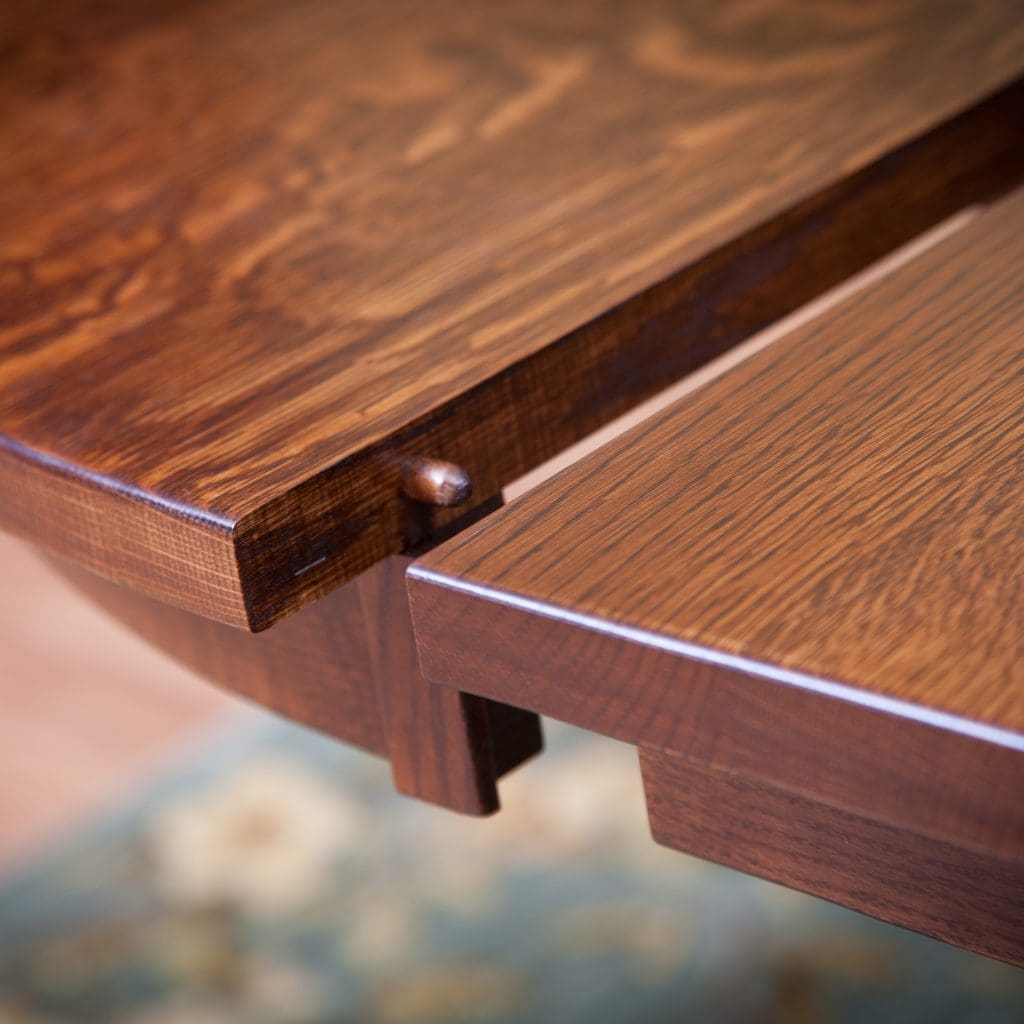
(276, 878)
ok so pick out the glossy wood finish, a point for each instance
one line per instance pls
(908, 772)
(255, 256)
(322, 668)
(807, 575)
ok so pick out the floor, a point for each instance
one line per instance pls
(86, 708)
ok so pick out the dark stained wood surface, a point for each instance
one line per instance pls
(444, 746)
(807, 576)
(254, 256)
(845, 505)
(968, 897)
(322, 668)
(934, 780)
(313, 668)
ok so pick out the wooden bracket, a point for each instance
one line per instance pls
(446, 747)
(953, 892)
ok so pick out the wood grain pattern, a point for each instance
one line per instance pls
(844, 505)
(971, 899)
(254, 257)
(806, 575)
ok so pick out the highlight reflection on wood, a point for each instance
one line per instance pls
(254, 255)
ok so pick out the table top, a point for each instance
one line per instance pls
(844, 507)
(255, 254)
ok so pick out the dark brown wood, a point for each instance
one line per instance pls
(515, 735)
(320, 668)
(313, 668)
(255, 256)
(972, 899)
(843, 506)
(440, 741)
(808, 574)
(935, 780)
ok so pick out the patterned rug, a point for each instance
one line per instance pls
(276, 878)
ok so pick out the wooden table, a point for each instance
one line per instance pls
(801, 592)
(290, 293)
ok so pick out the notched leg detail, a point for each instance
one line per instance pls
(446, 747)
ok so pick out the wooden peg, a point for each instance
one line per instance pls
(435, 482)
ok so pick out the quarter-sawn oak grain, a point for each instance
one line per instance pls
(844, 505)
(255, 256)
(805, 580)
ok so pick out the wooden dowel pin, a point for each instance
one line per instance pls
(435, 482)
